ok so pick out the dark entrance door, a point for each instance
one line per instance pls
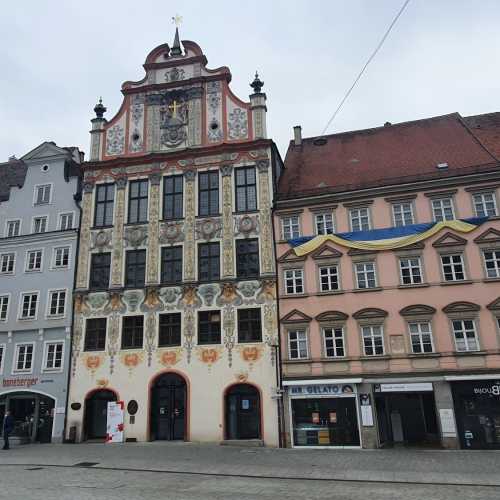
(168, 408)
(96, 413)
(243, 412)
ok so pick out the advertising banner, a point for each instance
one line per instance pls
(114, 426)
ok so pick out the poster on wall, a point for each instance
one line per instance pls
(114, 425)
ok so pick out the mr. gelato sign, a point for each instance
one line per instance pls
(322, 390)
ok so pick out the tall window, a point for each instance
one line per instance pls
(4, 307)
(138, 201)
(365, 275)
(170, 330)
(100, 264)
(7, 263)
(34, 260)
(294, 281)
(360, 219)
(329, 278)
(453, 267)
(208, 261)
(65, 221)
(402, 214)
(334, 342)
(42, 194)
(373, 340)
(442, 209)
(290, 227)
(171, 264)
(492, 263)
(53, 355)
(104, 205)
(132, 332)
(297, 344)
(13, 228)
(173, 188)
(57, 302)
(209, 327)
(411, 271)
(95, 334)
(135, 268)
(485, 204)
(29, 303)
(40, 224)
(208, 193)
(24, 357)
(247, 258)
(421, 337)
(61, 257)
(246, 189)
(464, 331)
(324, 223)
(249, 325)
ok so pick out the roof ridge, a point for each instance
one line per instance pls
(474, 136)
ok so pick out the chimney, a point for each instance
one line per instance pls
(297, 135)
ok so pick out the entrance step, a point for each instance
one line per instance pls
(251, 443)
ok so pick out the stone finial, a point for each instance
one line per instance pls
(257, 84)
(100, 109)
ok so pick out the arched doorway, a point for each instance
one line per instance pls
(168, 407)
(96, 413)
(243, 412)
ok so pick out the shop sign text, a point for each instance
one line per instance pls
(321, 390)
(19, 382)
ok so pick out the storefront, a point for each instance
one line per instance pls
(477, 413)
(323, 414)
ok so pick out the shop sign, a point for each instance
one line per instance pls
(447, 422)
(322, 390)
(19, 382)
(415, 387)
(493, 390)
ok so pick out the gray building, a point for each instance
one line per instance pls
(39, 220)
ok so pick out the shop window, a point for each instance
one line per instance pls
(464, 331)
(7, 263)
(453, 267)
(61, 257)
(334, 342)
(138, 201)
(208, 261)
(294, 281)
(100, 265)
(4, 307)
(297, 344)
(359, 219)
(65, 221)
(442, 209)
(95, 334)
(249, 325)
(324, 223)
(365, 275)
(402, 214)
(132, 332)
(40, 224)
(34, 260)
(492, 263)
(329, 278)
(411, 270)
(171, 264)
(24, 357)
(104, 205)
(247, 258)
(246, 189)
(209, 327)
(421, 337)
(135, 268)
(42, 194)
(57, 302)
(208, 193)
(170, 330)
(485, 204)
(13, 228)
(373, 340)
(173, 192)
(290, 227)
(53, 355)
(29, 305)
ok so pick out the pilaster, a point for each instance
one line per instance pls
(153, 228)
(117, 257)
(189, 226)
(227, 222)
(85, 224)
(266, 233)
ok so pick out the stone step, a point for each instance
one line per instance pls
(252, 443)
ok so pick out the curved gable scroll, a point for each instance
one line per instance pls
(417, 310)
(461, 307)
(331, 316)
(370, 313)
(495, 305)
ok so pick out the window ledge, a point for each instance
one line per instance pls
(170, 346)
(375, 357)
(249, 212)
(94, 350)
(362, 290)
(458, 282)
(128, 349)
(173, 219)
(414, 285)
(298, 361)
(100, 228)
(424, 355)
(208, 216)
(332, 292)
(491, 280)
(294, 295)
(469, 353)
(142, 223)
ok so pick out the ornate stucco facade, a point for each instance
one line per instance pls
(181, 120)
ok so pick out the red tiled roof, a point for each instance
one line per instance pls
(386, 155)
(487, 129)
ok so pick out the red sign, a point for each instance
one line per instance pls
(19, 382)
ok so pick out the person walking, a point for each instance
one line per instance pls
(7, 428)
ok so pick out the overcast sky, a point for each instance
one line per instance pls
(57, 57)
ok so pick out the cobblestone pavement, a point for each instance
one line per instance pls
(190, 471)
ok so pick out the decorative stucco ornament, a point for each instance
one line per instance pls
(208, 228)
(208, 292)
(101, 240)
(171, 232)
(135, 236)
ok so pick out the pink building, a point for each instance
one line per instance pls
(390, 314)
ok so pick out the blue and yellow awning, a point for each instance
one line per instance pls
(385, 239)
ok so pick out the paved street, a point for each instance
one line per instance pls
(189, 471)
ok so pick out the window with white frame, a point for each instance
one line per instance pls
(297, 344)
(334, 342)
(453, 267)
(57, 302)
(4, 307)
(53, 358)
(294, 281)
(34, 260)
(365, 274)
(42, 194)
(324, 223)
(2, 356)
(442, 209)
(485, 204)
(329, 278)
(411, 270)
(290, 227)
(464, 331)
(23, 360)
(61, 257)
(402, 213)
(420, 337)
(373, 340)
(13, 228)
(40, 224)
(359, 219)
(29, 303)
(7, 263)
(492, 263)
(66, 221)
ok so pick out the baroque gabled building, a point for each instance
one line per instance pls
(175, 306)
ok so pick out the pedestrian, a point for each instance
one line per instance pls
(7, 428)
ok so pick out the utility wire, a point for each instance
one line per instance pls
(394, 21)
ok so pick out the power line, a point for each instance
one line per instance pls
(394, 21)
